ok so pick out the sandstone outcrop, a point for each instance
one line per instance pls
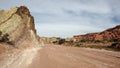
(49, 40)
(111, 34)
(17, 26)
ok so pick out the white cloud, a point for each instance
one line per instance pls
(70, 17)
(64, 30)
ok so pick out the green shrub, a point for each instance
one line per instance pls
(5, 38)
(61, 41)
(82, 40)
(0, 33)
(115, 40)
(78, 44)
(97, 41)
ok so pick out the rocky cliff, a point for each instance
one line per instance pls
(17, 26)
(111, 34)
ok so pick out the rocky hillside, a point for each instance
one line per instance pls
(49, 40)
(111, 34)
(17, 26)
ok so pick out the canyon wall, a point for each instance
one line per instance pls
(17, 26)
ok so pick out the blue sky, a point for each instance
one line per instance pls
(66, 18)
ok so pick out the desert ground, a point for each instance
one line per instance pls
(55, 56)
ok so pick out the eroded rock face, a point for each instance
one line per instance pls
(111, 34)
(18, 24)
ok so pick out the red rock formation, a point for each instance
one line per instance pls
(109, 34)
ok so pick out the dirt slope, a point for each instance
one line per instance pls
(19, 58)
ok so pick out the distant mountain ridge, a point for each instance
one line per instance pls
(108, 35)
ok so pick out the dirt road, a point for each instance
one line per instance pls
(53, 56)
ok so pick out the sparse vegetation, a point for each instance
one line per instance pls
(61, 41)
(115, 40)
(115, 45)
(5, 38)
(78, 44)
(89, 44)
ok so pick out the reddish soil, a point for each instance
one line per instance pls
(53, 56)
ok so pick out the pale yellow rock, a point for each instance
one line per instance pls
(18, 24)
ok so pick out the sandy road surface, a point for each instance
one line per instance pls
(74, 57)
(54, 56)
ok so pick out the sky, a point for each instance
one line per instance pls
(66, 18)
